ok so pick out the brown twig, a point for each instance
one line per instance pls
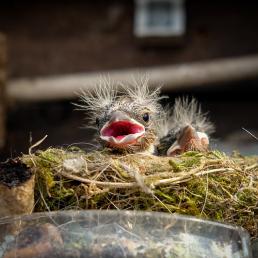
(99, 183)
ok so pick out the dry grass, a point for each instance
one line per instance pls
(209, 185)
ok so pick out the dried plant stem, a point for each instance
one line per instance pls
(251, 167)
(206, 194)
(189, 175)
(175, 180)
(99, 183)
(37, 144)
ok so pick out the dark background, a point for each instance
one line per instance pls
(60, 37)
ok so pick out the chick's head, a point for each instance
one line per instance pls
(125, 120)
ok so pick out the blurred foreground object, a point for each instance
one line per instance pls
(16, 188)
(36, 241)
(107, 234)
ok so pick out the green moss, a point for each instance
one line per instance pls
(175, 166)
(192, 162)
(247, 196)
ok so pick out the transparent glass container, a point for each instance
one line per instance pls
(97, 233)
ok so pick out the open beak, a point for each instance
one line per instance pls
(189, 139)
(121, 130)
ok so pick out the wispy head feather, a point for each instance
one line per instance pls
(96, 100)
(188, 112)
(141, 93)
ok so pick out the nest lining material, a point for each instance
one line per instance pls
(209, 185)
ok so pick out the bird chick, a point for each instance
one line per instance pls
(185, 127)
(133, 120)
(127, 120)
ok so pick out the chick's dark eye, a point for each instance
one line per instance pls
(97, 121)
(146, 117)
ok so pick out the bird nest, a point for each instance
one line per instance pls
(208, 185)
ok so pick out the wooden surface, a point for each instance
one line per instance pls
(173, 77)
(2, 88)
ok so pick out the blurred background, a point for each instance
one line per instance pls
(51, 49)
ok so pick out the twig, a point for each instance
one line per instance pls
(138, 178)
(188, 176)
(216, 170)
(163, 204)
(36, 144)
(250, 133)
(100, 173)
(206, 194)
(251, 167)
(47, 207)
(100, 183)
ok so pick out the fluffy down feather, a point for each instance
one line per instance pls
(184, 112)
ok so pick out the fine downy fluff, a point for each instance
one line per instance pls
(138, 105)
(185, 112)
(106, 95)
(96, 100)
(141, 94)
(188, 112)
